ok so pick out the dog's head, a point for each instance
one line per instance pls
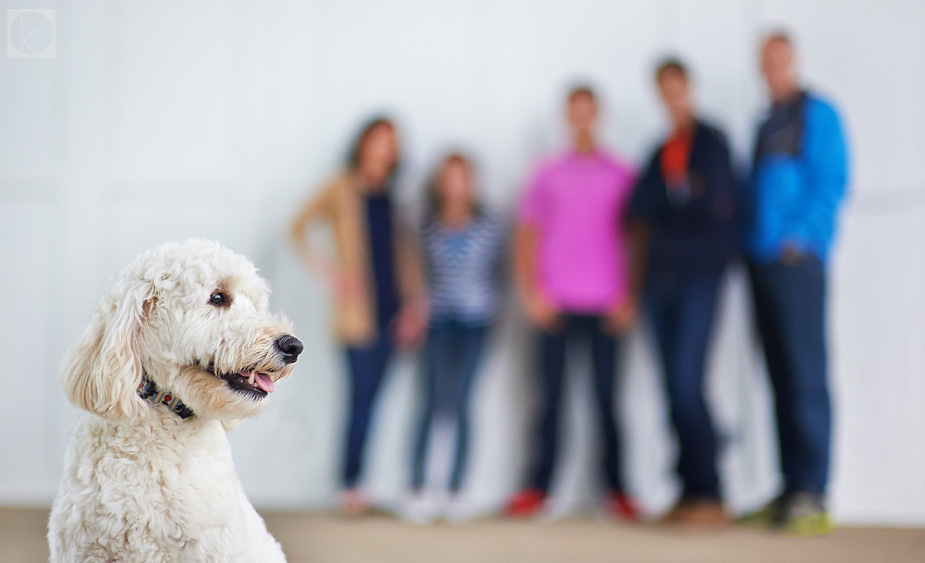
(193, 317)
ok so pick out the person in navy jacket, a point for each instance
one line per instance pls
(797, 184)
(683, 214)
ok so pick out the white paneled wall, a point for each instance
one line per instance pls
(166, 120)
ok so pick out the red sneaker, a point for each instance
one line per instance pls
(622, 508)
(526, 504)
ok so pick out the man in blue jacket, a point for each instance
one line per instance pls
(798, 181)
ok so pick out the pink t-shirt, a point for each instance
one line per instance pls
(576, 203)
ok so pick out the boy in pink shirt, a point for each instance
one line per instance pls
(570, 255)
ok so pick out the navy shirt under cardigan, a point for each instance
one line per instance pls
(699, 234)
(382, 255)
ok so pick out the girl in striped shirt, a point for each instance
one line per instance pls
(464, 256)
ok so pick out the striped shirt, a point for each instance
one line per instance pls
(465, 269)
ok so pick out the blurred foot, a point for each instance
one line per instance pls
(526, 504)
(353, 503)
(421, 507)
(799, 514)
(703, 512)
(804, 515)
(622, 508)
(458, 511)
(768, 516)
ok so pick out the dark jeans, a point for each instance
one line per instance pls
(451, 359)
(682, 310)
(790, 311)
(367, 366)
(552, 369)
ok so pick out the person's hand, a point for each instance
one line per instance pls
(343, 284)
(621, 317)
(541, 312)
(409, 326)
(792, 254)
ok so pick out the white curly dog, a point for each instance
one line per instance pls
(180, 350)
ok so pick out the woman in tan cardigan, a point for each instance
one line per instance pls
(375, 276)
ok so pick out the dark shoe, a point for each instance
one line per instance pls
(706, 512)
(769, 516)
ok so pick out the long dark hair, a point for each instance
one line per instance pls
(356, 147)
(434, 201)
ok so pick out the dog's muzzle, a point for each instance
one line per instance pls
(257, 381)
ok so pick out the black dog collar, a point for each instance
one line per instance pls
(148, 391)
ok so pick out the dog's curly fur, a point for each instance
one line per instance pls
(140, 483)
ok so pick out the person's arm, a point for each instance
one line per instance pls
(638, 233)
(538, 308)
(315, 259)
(722, 206)
(825, 170)
(412, 318)
(502, 241)
(524, 258)
(644, 204)
(532, 214)
(717, 201)
(730, 204)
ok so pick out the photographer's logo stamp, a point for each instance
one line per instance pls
(30, 33)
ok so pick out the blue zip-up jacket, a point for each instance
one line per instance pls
(798, 180)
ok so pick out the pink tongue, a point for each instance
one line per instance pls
(264, 382)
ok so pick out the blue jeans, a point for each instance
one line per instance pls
(451, 359)
(790, 311)
(367, 366)
(682, 310)
(552, 369)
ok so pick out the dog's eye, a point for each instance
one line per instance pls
(219, 299)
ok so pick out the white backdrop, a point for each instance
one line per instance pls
(173, 119)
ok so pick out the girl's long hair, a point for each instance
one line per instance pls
(433, 198)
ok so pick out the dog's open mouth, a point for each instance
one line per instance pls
(250, 381)
(254, 384)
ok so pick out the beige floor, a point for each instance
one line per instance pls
(320, 538)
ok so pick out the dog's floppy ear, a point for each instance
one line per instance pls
(103, 370)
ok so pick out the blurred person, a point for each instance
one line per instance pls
(682, 222)
(463, 251)
(375, 277)
(798, 181)
(571, 272)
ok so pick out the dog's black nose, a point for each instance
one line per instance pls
(291, 347)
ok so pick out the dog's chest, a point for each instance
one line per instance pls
(175, 471)
(175, 492)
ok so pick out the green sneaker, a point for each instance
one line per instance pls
(804, 515)
(811, 525)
